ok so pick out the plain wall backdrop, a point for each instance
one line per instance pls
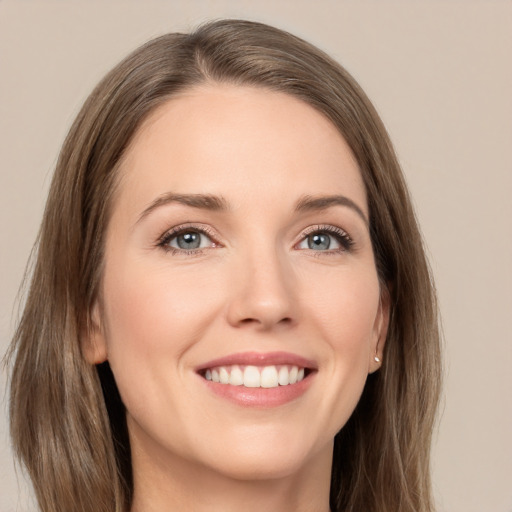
(439, 73)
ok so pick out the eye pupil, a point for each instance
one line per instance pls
(319, 241)
(189, 240)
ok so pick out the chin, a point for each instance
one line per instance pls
(265, 457)
(253, 468)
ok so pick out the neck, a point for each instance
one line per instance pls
(161, 484)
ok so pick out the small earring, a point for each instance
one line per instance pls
(377, 360)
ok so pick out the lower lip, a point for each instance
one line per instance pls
(261, 397)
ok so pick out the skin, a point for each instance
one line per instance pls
(255, 285)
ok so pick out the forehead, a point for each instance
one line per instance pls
(239, 140)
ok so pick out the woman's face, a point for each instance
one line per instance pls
(238, 250)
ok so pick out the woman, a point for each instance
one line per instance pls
(230, 304)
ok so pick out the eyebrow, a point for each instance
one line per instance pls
(311, 203)
(218, 203)
(202, 201)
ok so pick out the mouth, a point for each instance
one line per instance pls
(262, 379)
(252, 376)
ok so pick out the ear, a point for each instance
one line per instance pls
(380, 330)
(93, 342)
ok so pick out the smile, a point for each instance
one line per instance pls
(256, 376)
(261, 380)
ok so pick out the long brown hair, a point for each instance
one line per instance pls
(67, 420)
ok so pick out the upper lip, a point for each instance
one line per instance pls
(259, 359)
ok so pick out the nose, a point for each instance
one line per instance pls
(263, 292)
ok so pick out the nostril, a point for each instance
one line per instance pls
(264, 323)
(245, 321)
(286, 321)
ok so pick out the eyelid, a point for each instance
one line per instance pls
(343, 238)
(173, 232)
(340, 234)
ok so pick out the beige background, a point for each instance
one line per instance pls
(440, 74)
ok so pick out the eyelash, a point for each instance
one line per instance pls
(339, 234)
(165, 239)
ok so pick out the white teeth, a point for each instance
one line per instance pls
(269, 377)
(293, 375)
(254, 376)
(236, 378)
(283, 377)
(223, 375)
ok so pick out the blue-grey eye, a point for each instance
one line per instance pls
(321, 241)
(190, 240)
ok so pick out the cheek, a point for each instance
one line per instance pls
(154, 318)
(346, 305)
(347, 319)
(143, 292)
(150, 313)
